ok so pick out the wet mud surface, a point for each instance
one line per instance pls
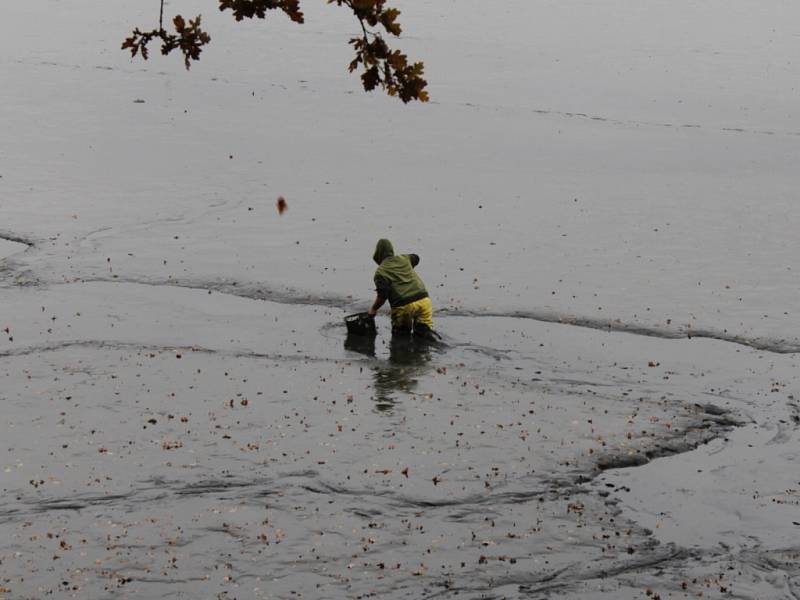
(153, 457)
(607, 231)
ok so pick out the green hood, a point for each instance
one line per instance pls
(383, 250)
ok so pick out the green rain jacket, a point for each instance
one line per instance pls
(395, 278)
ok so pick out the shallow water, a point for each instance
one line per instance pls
(604, 201)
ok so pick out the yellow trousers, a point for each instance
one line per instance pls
(405, 317)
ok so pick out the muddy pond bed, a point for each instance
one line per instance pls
(275, 462)
(607, 229)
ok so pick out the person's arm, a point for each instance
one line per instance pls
(382, 289)
(379, 301)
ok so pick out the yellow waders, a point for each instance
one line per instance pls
(405, 317)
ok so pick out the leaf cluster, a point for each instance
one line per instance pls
(248, 9)
(188, 38)
(380, 65)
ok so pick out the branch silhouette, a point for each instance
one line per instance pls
(379, 65)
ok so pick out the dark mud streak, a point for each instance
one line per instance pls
(133, 346)
(255, 291)
(661, 555)
(9, 268)
(613, 325)
(404, 501)
(17, 238)
(261, 487)
(249, 290)
(7, 264)
(712, 422)
(570, 575)
(40, 505)
(292, 296)
(562, 488)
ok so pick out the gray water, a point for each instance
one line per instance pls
(603, 197)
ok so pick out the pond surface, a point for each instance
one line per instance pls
(604, 201)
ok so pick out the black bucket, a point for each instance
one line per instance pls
(361, 324)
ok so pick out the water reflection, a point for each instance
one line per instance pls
(408, 359)
(365, 344)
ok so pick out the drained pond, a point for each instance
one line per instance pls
(603, 200)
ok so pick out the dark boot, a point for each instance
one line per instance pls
(423, 332)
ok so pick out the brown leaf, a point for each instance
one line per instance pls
(281, 205)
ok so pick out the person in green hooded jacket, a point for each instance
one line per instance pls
(398, 282)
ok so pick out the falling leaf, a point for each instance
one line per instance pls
(281, 204)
